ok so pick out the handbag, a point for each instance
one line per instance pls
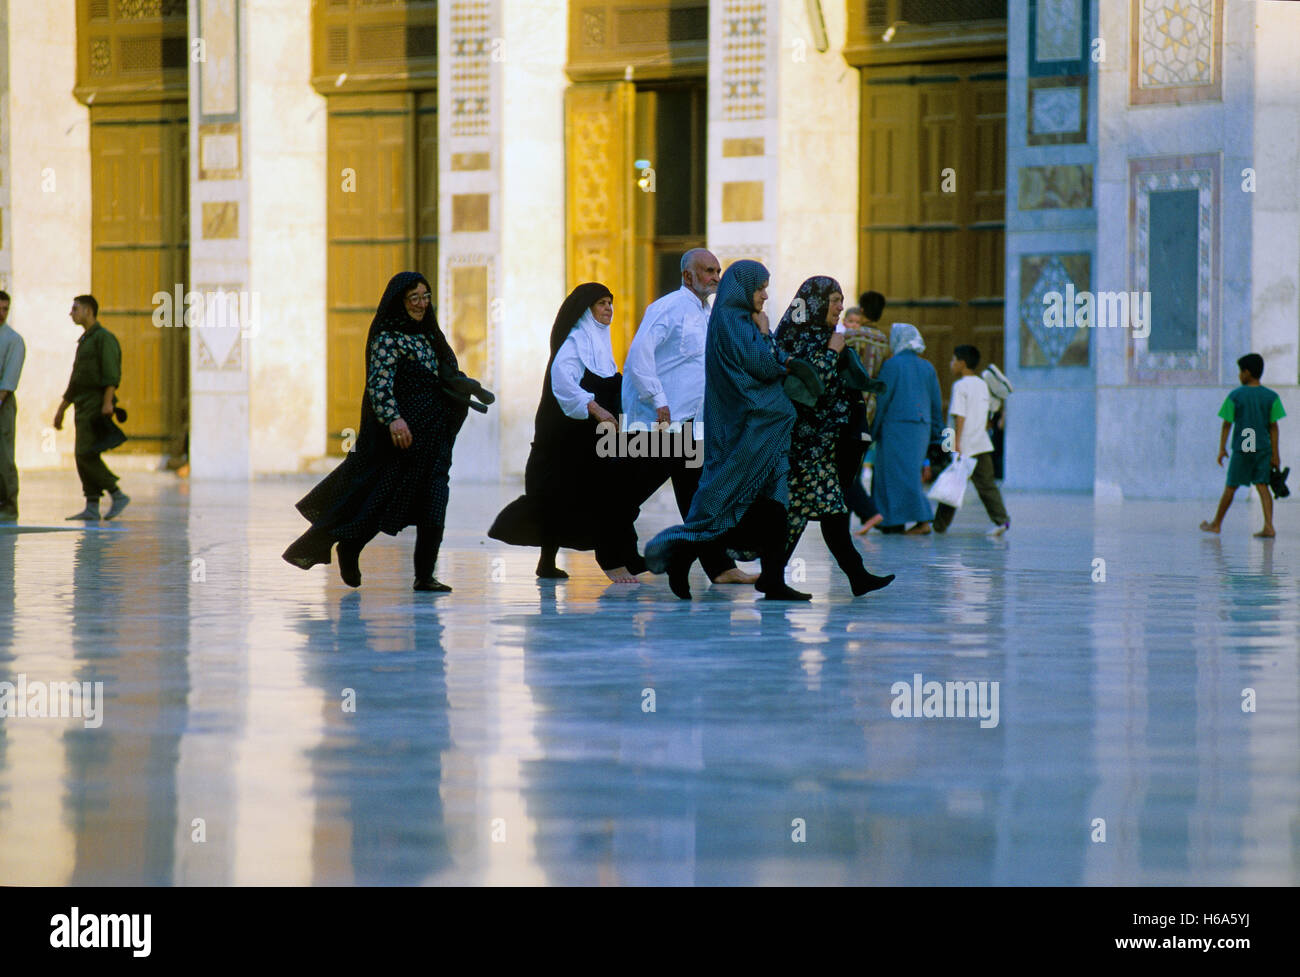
(950, 487)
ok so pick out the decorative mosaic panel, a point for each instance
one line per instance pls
(220, 345)
(469, 71)
(1057, 113)
(467, 320)
(468, 316)
(219, 70)
(1176, 51)
(728, 256)
(1175, 256)
(1064, 187)
(1041, 275)
(744, 59)
(1058, 37)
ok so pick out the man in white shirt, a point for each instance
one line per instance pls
(663, 383)
(12, 352)
(970, 410)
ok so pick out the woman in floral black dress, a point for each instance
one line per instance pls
(396, 476)
(807, 332)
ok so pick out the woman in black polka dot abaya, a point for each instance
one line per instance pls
(396, 476)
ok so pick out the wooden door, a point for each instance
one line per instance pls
(140, 246)
(382, 219)
(599, 128)
(669, 213)
(933, 169)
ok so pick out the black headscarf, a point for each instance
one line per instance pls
(579, 301)
(391, 316)
(808, 310)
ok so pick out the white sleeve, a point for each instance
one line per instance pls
(640, 364)
(566, 373)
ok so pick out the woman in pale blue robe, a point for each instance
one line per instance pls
(909, 417)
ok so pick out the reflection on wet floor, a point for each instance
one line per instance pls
(262, 724)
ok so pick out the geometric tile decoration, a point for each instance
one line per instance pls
(469, 313)
(471, 50)
(220, 330)
(1062, 187)
(744, 58)
(471, 161)
(1174, 230)
(1058, 37)
(728, 256)
(743, 147)
(1176, 51)
(219, 70)
(469, 319)
(219, 151)
(742, 200)
(1040, 344)
(220, 219)
(1057, 111)
(469, 211)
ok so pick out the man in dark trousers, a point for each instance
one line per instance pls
(96, 373)
(12, 352)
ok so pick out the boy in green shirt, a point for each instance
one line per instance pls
(1255, 410)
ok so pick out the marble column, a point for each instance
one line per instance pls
(774, 97)
(501, 211)
(257, 241)
(1275, 299)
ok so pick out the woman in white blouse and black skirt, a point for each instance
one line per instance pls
(573, 497)
(396, 476)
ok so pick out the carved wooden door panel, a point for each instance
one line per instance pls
(932, 187)
(370, 205)
(600, 181)
(140, 246)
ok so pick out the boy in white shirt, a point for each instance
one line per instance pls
(969, 407)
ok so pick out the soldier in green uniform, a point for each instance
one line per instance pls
(96, 373)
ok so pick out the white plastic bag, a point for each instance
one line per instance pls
(950, 487)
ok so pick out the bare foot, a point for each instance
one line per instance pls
(736, 575)
(621, 575)
(871, 524)
(920, 529)
(1209, 527)
(1265, 533)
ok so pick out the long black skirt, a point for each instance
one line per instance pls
(573, 498)
(379, 487)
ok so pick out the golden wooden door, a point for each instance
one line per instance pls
(599, 128)
(140, 246)
(933, 167)
(382, 218)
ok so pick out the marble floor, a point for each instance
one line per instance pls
(261, 724)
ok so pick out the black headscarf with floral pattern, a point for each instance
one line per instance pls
(808, 310)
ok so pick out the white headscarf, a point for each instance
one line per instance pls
(903, 335)
(594, 347)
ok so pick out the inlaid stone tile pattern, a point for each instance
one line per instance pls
(1041, 277)
(744, 59)
(1174, 226)
(1067, 187)
(1176, 50)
